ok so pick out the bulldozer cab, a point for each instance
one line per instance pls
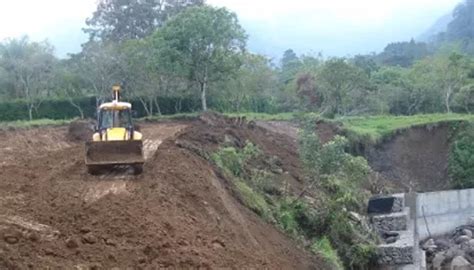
(115, 119)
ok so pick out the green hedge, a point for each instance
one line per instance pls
(62, 108)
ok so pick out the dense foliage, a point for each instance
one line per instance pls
(461, 159)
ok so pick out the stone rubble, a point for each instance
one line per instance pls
(454, 251)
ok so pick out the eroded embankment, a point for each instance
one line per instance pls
(177, 214)
(414, 159)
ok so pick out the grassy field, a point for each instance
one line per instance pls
(33, 123)
(374, 128)
(371, 128)
(248, 116)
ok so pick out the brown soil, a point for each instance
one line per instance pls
(81, 130)
(177, 214)
(416, 159)
(327, 131)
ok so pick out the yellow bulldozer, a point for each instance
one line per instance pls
(115, 141)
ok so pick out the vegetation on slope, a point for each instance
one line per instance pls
(331, 227)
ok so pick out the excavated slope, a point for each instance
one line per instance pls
(177, 214)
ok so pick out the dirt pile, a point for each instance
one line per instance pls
(81, 130)
(177, 214)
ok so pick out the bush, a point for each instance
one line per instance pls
(63, 109)
(297, 218)
(324, 248)
(253, 200)
(461, 160)
(233, 160)
(342, 176)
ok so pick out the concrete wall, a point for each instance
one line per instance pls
(443, 211)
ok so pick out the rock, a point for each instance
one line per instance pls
(442, 244)
(391, 239)
(355, 217)
(467, 232)
(11, 239)
(438, 261)
(460, 263)
(461, 239)
(470, 221)
(71, 243)
(453, 252)
(471, 243)
(429, 244)
(89, 239)
(33, 236)
(85, 230)
(387, 234)
(110, 242)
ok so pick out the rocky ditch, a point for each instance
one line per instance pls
(451, 251)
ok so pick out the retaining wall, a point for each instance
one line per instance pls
(443, 211)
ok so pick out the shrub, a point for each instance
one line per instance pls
(296, 217)
(461, 160)
(324, 248)
(229, 159)
(342, 176)
(253, 200)
(233, 160)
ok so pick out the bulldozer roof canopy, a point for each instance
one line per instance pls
(115, 106)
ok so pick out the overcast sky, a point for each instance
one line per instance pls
(336, 27)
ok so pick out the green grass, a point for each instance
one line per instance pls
(324, 248)
(33, 123)
(248, 116)
(264, 116)
(374, 128)
(253, 199)
(177, 116)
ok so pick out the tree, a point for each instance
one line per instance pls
(100, 65)
(252, 83)
(29, 67)
(403, 54)
(120, 20)
(68, 84)
(464, 99)
(343, 86)
(462, 25)
(366, 63)
(290, 65)
(440, 77)
(205, 42)
(394, 91)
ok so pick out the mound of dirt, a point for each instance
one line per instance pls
(81, 130)
(177, 215)
(416, 159)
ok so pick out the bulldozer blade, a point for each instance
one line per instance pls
(114, 153)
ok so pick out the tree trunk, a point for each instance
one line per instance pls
(448, 97)
(203, 96)
(81, 112)
(30, 111)
(145, 106)
(158, 109)
(177, 106)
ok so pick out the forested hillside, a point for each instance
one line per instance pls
(181, 56)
